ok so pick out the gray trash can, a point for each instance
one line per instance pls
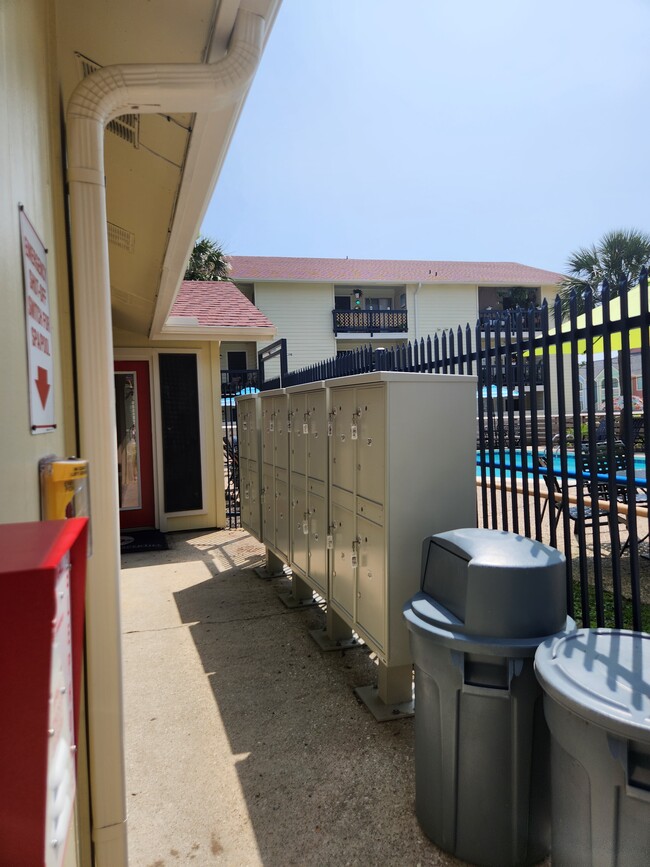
(488, 599)
(596, 686)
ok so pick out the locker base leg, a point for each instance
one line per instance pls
(336, 635)
(392, 697)
(300, 596)
(274, 567)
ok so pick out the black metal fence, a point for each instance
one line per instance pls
(232, 384)
(560, 456)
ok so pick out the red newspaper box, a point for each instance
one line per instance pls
(42, 586)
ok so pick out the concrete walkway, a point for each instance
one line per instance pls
(245, 745)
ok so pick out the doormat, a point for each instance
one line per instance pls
(137, 541)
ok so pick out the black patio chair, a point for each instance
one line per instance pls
(600, 491)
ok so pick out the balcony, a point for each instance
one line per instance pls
(369, 321)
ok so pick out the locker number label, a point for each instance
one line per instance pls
(354, 432)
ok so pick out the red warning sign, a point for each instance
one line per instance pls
(39, 328)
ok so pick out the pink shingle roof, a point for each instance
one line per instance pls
(219, 304)
(385, 271)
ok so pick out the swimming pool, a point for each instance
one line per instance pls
(493, 466)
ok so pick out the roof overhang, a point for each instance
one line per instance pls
(161, 175)
(190, 329)
(208, 146)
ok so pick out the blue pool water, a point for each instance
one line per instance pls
(493, 466)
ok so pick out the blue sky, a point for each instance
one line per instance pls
(510, 130)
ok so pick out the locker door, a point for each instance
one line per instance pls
(246, 428)
(244, 493)
(282, 512)
(342, 446)
(343, 574)
(371, 444)
(268, 428)
(371, 580)
(317, 440)
(281, 410)
(268, 507)
(317, 569)
(253, 500)
(242, 430)
(299, 522)
(297, 438)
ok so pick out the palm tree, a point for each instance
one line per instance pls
(618, 256)
(207, 262)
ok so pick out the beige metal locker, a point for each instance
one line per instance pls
(248, 448)
(308, 454)
(274, 494)
(249, 496)
(402, 466)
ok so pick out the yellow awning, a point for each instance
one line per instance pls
(634, 309)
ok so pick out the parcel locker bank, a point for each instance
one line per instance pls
(402, 467)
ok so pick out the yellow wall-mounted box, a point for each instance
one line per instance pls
(64, 488)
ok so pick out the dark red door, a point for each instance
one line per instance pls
(134, 444)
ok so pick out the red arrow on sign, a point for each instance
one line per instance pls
(42, 385)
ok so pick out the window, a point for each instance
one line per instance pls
(378, 303)
(237, 361)
(181, 433)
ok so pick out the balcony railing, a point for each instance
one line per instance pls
(369, 321)
(233, 381)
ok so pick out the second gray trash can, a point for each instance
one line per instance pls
(597, 703)
(488, 599)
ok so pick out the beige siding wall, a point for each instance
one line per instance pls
(549, 294)
(31, 174)
(302, 313)
(436, 308)
(249, 348)
(131, 346)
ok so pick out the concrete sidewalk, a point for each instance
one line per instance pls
(245, 744)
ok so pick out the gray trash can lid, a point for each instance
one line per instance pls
(496, 584)
(601, 675)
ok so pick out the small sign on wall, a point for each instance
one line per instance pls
(39, 329)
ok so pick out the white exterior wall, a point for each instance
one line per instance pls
(31, 174)
(31, 167)
(302, 313)
(436, 308)
(249, 348)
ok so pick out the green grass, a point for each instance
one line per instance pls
(608, 605)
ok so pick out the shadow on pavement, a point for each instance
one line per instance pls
(323, 782)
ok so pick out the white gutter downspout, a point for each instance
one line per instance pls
(415, 310)
(106, 94)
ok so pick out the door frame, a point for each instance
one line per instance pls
(142, 355)
(150, 355)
